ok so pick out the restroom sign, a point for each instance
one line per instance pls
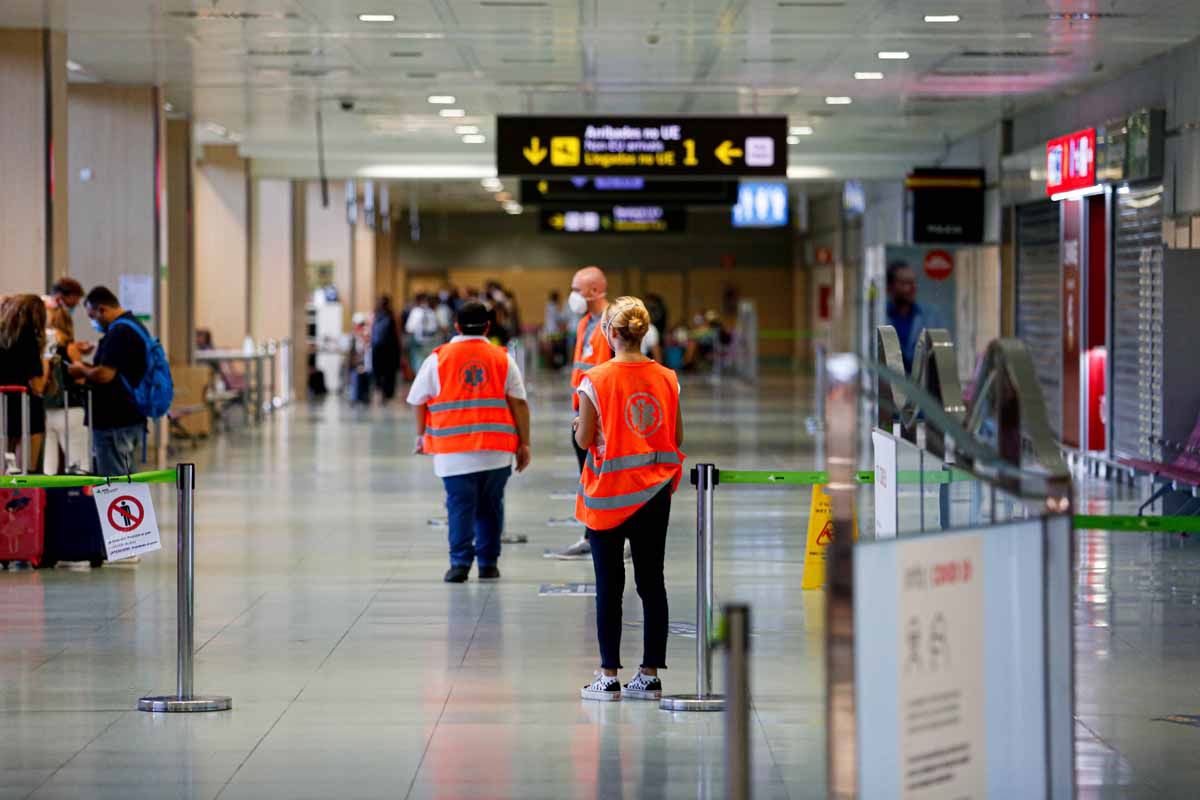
(127, 520)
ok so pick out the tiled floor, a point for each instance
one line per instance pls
(357, 673)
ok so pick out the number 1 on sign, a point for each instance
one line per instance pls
(689, 159)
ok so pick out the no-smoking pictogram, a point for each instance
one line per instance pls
(125, 513)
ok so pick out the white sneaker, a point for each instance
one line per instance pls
(644, 687)
(576, 552)
(604, 688)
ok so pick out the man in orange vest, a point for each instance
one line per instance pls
(473, 419)
(589, 297)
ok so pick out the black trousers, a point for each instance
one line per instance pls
(647, 534)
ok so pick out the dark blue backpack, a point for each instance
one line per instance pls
(154, 394)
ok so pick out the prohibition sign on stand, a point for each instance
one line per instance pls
(125, 513)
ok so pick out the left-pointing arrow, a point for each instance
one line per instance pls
(535, 152)
(726, 152)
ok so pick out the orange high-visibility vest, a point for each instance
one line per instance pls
(638, 405)
(471, 410)
(601, 352)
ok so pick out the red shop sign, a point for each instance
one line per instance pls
(1071, 162)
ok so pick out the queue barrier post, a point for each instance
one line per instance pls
(185, 700)
(736, 640)
(705, 478)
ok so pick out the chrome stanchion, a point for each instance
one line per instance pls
(184, 700)
(26, 437)
(705, 477)
(736, 638)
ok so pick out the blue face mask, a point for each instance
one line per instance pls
(99, 326)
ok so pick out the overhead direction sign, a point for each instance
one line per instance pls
(645, 146)
(633, 189)
(613, 219)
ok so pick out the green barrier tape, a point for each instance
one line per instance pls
(866, 476)
(69, 481)
(1129, 523)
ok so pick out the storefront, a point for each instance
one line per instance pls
(1087, 241)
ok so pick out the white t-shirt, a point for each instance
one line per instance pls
(650, 340)
(422, 324)
(426, 386)
(589, 391)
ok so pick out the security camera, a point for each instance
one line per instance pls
(347, 103)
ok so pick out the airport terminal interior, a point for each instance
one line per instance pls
(350, 353)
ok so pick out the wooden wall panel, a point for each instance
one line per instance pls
(222, 239)
(22, 163)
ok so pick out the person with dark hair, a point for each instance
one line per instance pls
(64, 296)
(118, 427)
(904, 314)
(22, 363)
(472, 417)
(385, 349)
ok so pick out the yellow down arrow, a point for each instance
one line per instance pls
(535, 152)
(557, 221)
(726, 152)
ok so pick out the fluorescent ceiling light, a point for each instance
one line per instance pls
(466, 130)
(74, 66)
(474, 138)
(793, 140)
(428, 171)
(799, 173)
(868, 76)
(838, 101)
(513, 207)
(376, 17)
(441, 99)
(492, 184)
(942, 18)
(801, 130)
(1075, 194)
(893, 55)
(452, 112)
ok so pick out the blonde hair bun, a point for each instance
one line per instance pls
(629, 318)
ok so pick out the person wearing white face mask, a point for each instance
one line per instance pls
(589, 290)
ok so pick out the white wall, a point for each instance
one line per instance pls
(328, 237)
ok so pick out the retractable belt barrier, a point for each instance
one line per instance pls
(184, 478)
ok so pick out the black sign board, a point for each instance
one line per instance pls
(608, 189)
(646, 146)
(637, 219)
(947, 205)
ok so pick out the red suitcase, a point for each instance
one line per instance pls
(22, 511)
(22, 525)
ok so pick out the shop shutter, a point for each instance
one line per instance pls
(1136, 360)
(1039, 300)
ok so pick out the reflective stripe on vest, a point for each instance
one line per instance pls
(631, 462)
(459, 430)
(583, 366)
(622, 500)
(459, 405)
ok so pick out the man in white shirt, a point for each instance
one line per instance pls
(472, 416)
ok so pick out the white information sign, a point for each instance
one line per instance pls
(942, 687)
(136, 293)
(887, 506)
(127, 520)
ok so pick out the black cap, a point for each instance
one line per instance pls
(472, 318)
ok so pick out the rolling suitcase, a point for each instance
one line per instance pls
(73, 531)
(22, 511)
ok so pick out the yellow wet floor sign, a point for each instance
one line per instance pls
(820, 534)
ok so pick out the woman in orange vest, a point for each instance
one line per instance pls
(629, 422)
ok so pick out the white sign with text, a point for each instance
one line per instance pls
(127, 520)
(887, 473)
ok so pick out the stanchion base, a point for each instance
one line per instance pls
(693, 702)
(170, 704)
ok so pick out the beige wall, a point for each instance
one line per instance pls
(364, 267)
(180, 284)
(271, 303)
(221, 235)
(28, 256)
(328, 237)
(113, 142)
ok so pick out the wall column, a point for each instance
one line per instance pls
(33, 160)
(222, 245)
(298, 287)
(179, 323)
(385, 270)
(364, 266)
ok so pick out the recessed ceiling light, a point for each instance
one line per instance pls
(376, 17)
(838, 101)
(868, 76)
(491, 184)
(74, 66)
(513, 207)
(466, 130)
(793, 140)
(452, 112)
(474, 138)
(942, 18)
(421, 171)
(441, 99)
(801, 130)
(893, 55)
